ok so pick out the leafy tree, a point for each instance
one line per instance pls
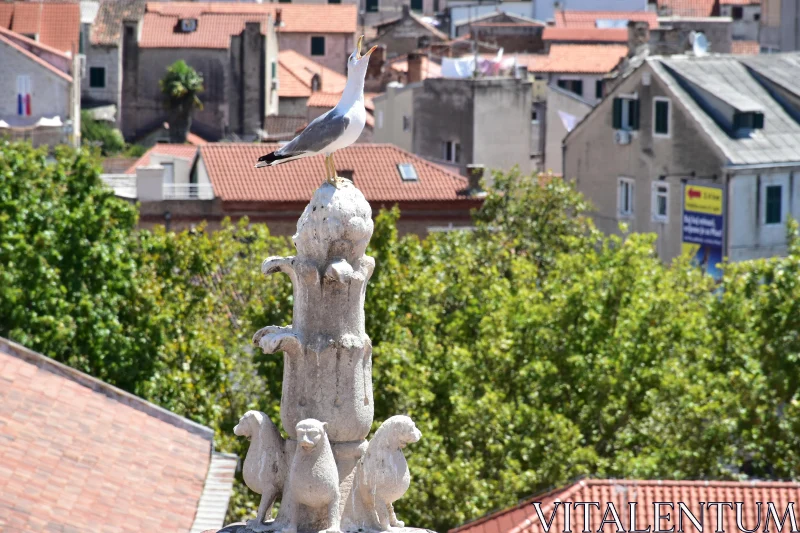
(101, 134)
(181, 85)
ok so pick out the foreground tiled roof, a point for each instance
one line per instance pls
(11, 39)
(588, 19)
(182, 151)
(578, 58)
(593, 35)
(374, 168)
(688, 8)
(296, 18)
(56, 24)
(524, 519)
(296, 71)
(107, 27)
(749, 48)
(80, 455)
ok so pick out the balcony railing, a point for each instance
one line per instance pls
(123, 184)
(188, 191)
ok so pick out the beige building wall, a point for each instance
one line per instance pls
(559, 101)
(50, 93)
(338, 47)
(595, 162)
(390, 108)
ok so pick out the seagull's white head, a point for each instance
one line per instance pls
(356, 63)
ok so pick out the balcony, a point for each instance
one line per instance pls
(188, 191)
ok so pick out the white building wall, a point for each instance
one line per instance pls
(50, 93)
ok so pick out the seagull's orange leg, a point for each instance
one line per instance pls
(333, 168)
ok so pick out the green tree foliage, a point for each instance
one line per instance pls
(530, 352)
(101, 134)
(182, 86)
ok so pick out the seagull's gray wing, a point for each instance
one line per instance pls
(321, 132)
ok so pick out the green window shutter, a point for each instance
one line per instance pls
(758, 121)
(372, 6)
(416, 5)
(598, 89)
(274, 69)
(97, 77)
(773, 210)
(662, 117)
(617, 114)
(578, 85)
(635, 114)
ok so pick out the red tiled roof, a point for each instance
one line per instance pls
(107, 27)
(213, 30)
(578, 58)
(81, 455)
(598, 35)
(295, 72)
(688, 8)
(374, 166)
(195, 139)
(296, 18)
(327, 100)
(429, 68)
(523, 518)
(55, 24)
(588, 19)
(182, 151)
(749, 48)
(33, 57)
(283, 127)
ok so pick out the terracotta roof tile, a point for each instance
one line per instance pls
(429, 68)
(296, 71)
(183, 151)
(588, 19)
(374, 166)
(597, 35)
(577, 58)
(327, 100)
(688, 8)
(750, 48)
(107, 27)
(296, 18)
(195, 139)
(522, 518)
(282, 127)
(56, 24)
(213, 30)
(77, 453)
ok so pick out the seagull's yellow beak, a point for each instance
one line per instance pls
(358, 48)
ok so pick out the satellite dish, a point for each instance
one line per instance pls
(699, 44)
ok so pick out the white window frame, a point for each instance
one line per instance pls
(667, 135)
(658, 217)
(454, 145)
(626, 213)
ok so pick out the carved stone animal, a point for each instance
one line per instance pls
(382, 474)
(265, 465)
(313, 477)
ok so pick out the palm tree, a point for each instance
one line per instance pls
(181, 85)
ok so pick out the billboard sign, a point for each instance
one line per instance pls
(704, 226)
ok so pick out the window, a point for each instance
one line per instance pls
(284, 1)
(575, 86)
(452, 151)
(598, 89)
(334, 1)
(625, 197)
(318, 46)
(737, 12)
(534, 116)
(407, 172)
(773, 208)
(406, 123)
(23, 95)
(416, 5)
(756, 16)
(372, 6)
(97, 77)
(661, 108)
(660, 202)
(750, 120)
(626, 113)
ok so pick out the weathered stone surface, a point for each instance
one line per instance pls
(331, 478)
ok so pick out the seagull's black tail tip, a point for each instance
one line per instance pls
(269, 160)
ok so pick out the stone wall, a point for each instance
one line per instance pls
(513, 39)
(107, 57)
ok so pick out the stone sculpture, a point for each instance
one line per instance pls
(265, 467)
(335, 479)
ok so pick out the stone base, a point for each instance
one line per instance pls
(241, 527)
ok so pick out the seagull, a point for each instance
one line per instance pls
(338, 128)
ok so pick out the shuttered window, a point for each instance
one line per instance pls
(318, 46)
(625, 114)
(773, 208)
(661, 117)
(372, 6)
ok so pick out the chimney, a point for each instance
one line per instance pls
(376, 61)
(414, 67)
(638, 35)
(406, 10)
(475, 175)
